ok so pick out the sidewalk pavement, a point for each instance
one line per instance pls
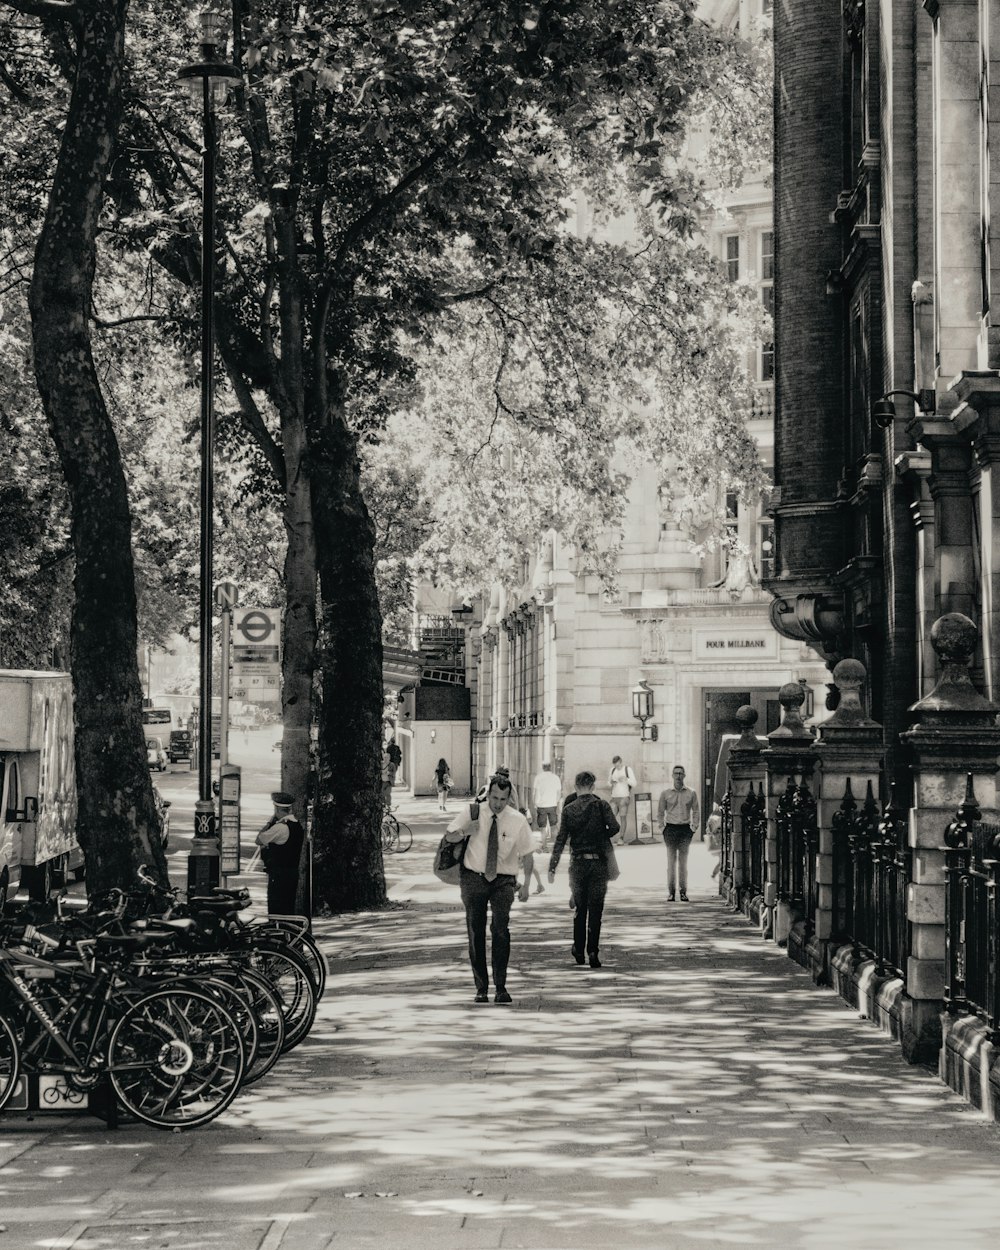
(696, 1093)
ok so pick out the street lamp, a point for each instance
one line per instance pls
(642, 710)
(212, 73)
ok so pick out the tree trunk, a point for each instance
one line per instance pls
(118, 826)
(347, 853)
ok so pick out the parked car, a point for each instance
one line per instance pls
(179, 745)
(156, 757)
(163, 811)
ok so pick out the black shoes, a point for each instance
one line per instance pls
(502, 997)
(482, 996)
(684, 897)
(577, 955)
(671, 897)
(594, 962)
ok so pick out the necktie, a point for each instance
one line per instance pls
(492, 850)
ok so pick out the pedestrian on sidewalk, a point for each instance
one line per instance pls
(499, 836)
(678, 816)
(622, 781)
(443, 783)
(280, 843)
(589, 825)
(546, 791)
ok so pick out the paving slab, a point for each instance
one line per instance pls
(696, 1092)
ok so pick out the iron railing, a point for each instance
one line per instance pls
(871, 871)
(797, 835)
(972, 917)
(726, 850)
(753, 835)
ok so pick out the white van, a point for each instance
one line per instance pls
(37, 782)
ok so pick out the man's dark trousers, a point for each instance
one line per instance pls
(498, 894)
(588, 883)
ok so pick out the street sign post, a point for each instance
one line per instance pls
(226, 596)
(256, 655)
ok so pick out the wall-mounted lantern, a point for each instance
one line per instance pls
(642, 710)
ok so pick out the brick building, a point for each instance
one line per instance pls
(845, 842)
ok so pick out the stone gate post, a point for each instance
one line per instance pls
(850, 749)
(789, 760)
(746, 777)
(955, 733)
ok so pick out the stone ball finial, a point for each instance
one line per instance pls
(791, 696)
(746, 717)
(953, 637)
(848, 678)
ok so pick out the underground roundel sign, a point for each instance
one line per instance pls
(256, 626)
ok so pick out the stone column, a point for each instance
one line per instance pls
(955, 733)
(977, 420)
(789, 760)
(850, 750)
(746, 775)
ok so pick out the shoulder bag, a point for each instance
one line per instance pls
(449, 855)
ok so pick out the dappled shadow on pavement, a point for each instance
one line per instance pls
(697, 1091)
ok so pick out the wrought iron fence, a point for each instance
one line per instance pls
(871, 870)
(753, 836)
(972, 917)
(795, 824)
(726, 848)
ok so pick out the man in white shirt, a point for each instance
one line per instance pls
(546, 792)
(499, 837)
(678, 816)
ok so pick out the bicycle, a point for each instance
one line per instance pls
(174, 1056)
(397, 836)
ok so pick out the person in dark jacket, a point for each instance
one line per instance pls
(280, 843)
(588, 824)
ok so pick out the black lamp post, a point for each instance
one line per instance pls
(642, 710)
(211, 72)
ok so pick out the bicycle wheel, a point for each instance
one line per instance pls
(10, 1062)
(404, 837)
(266, 1007)
(289, 933)
(390, 831)
(176, 1058)
(289, 978)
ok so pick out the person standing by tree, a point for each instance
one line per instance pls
(621, 779)
(281, 850)
(678, 816)
(546, 792)
(499, 836)
(589, 825)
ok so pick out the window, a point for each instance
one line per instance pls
(732, 242)
(766, 371)
(765, 547)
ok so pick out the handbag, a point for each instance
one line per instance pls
(614, 872)
(448, 860)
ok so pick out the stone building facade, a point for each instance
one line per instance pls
(887, 417)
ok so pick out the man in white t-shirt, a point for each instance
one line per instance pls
(546, 793)
(499, 837)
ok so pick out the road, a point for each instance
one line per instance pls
(254, 751)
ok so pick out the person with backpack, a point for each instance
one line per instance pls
(589, 825)
(622, 781)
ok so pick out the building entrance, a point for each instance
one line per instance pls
(721, 726)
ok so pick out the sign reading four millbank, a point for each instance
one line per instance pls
(734, 643)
